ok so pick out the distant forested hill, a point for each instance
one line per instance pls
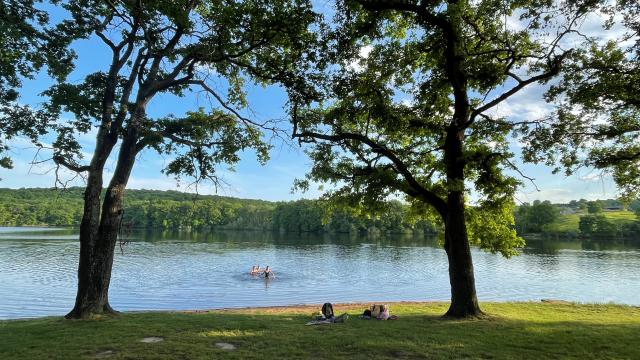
(608, 218)
(177, 210)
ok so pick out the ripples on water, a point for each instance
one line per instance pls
(200, 271)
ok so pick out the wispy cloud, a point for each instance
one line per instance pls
(358, 63)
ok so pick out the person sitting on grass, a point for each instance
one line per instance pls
(328, 316)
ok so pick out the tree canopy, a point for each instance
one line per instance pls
(172, 48)
(28, 42)
(384, 128)
(534, 217)
(409, 112)
(178, 48)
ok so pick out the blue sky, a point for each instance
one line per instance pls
(274, 180)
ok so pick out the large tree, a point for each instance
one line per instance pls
(170, 47)
(410, 111)
(597, 119)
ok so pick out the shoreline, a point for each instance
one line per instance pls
(349, 306)
(300, 307)
(342, 306)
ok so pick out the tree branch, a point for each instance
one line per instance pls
(515, 168)
(60, 160)
(222, 103)
(553, 71)
(106, 40)
(418, 190)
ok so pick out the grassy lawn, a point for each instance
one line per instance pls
(511, 331)
(569, 222)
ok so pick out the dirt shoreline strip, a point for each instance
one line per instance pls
(308, 307)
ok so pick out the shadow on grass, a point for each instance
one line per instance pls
(284, 335)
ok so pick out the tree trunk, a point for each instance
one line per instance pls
(94, 275)
(91, 295)
(464, 302)
(99, 233)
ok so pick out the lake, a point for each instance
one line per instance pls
(163, 271)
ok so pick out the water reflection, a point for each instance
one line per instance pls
(184, 270)
(554, 246)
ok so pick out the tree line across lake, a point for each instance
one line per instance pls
(580, 218)
(177, 210)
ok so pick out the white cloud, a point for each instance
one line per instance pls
(157, 183)
(527, 104)
(593, 176)
(555, 195)
(365, 51)
(408, 102)
(590, 185)
(359, 62)
(593, 25)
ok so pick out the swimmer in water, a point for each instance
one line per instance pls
(268, 274)
(255, 270)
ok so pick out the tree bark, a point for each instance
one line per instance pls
(464, 302)
(91, 296)
(99, 233)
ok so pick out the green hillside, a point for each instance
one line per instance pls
(569, 223)
(177, 210)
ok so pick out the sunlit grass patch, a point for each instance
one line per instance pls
(231, 333)
(509, 331)
(569, 223)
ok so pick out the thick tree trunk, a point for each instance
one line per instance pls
(99, 233)
(95, 269)
(100, 221)
(464, 302)
(94, 275)
(91, 297)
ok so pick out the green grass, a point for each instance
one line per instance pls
(569, 222)
(511, 331)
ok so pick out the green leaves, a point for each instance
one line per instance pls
(491, 227)
(409, 104)
(534, 218)
(28, 43)
(84, 100)
(212, 48)
(26, 46)
(201, 141)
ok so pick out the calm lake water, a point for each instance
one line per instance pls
(202, 271)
